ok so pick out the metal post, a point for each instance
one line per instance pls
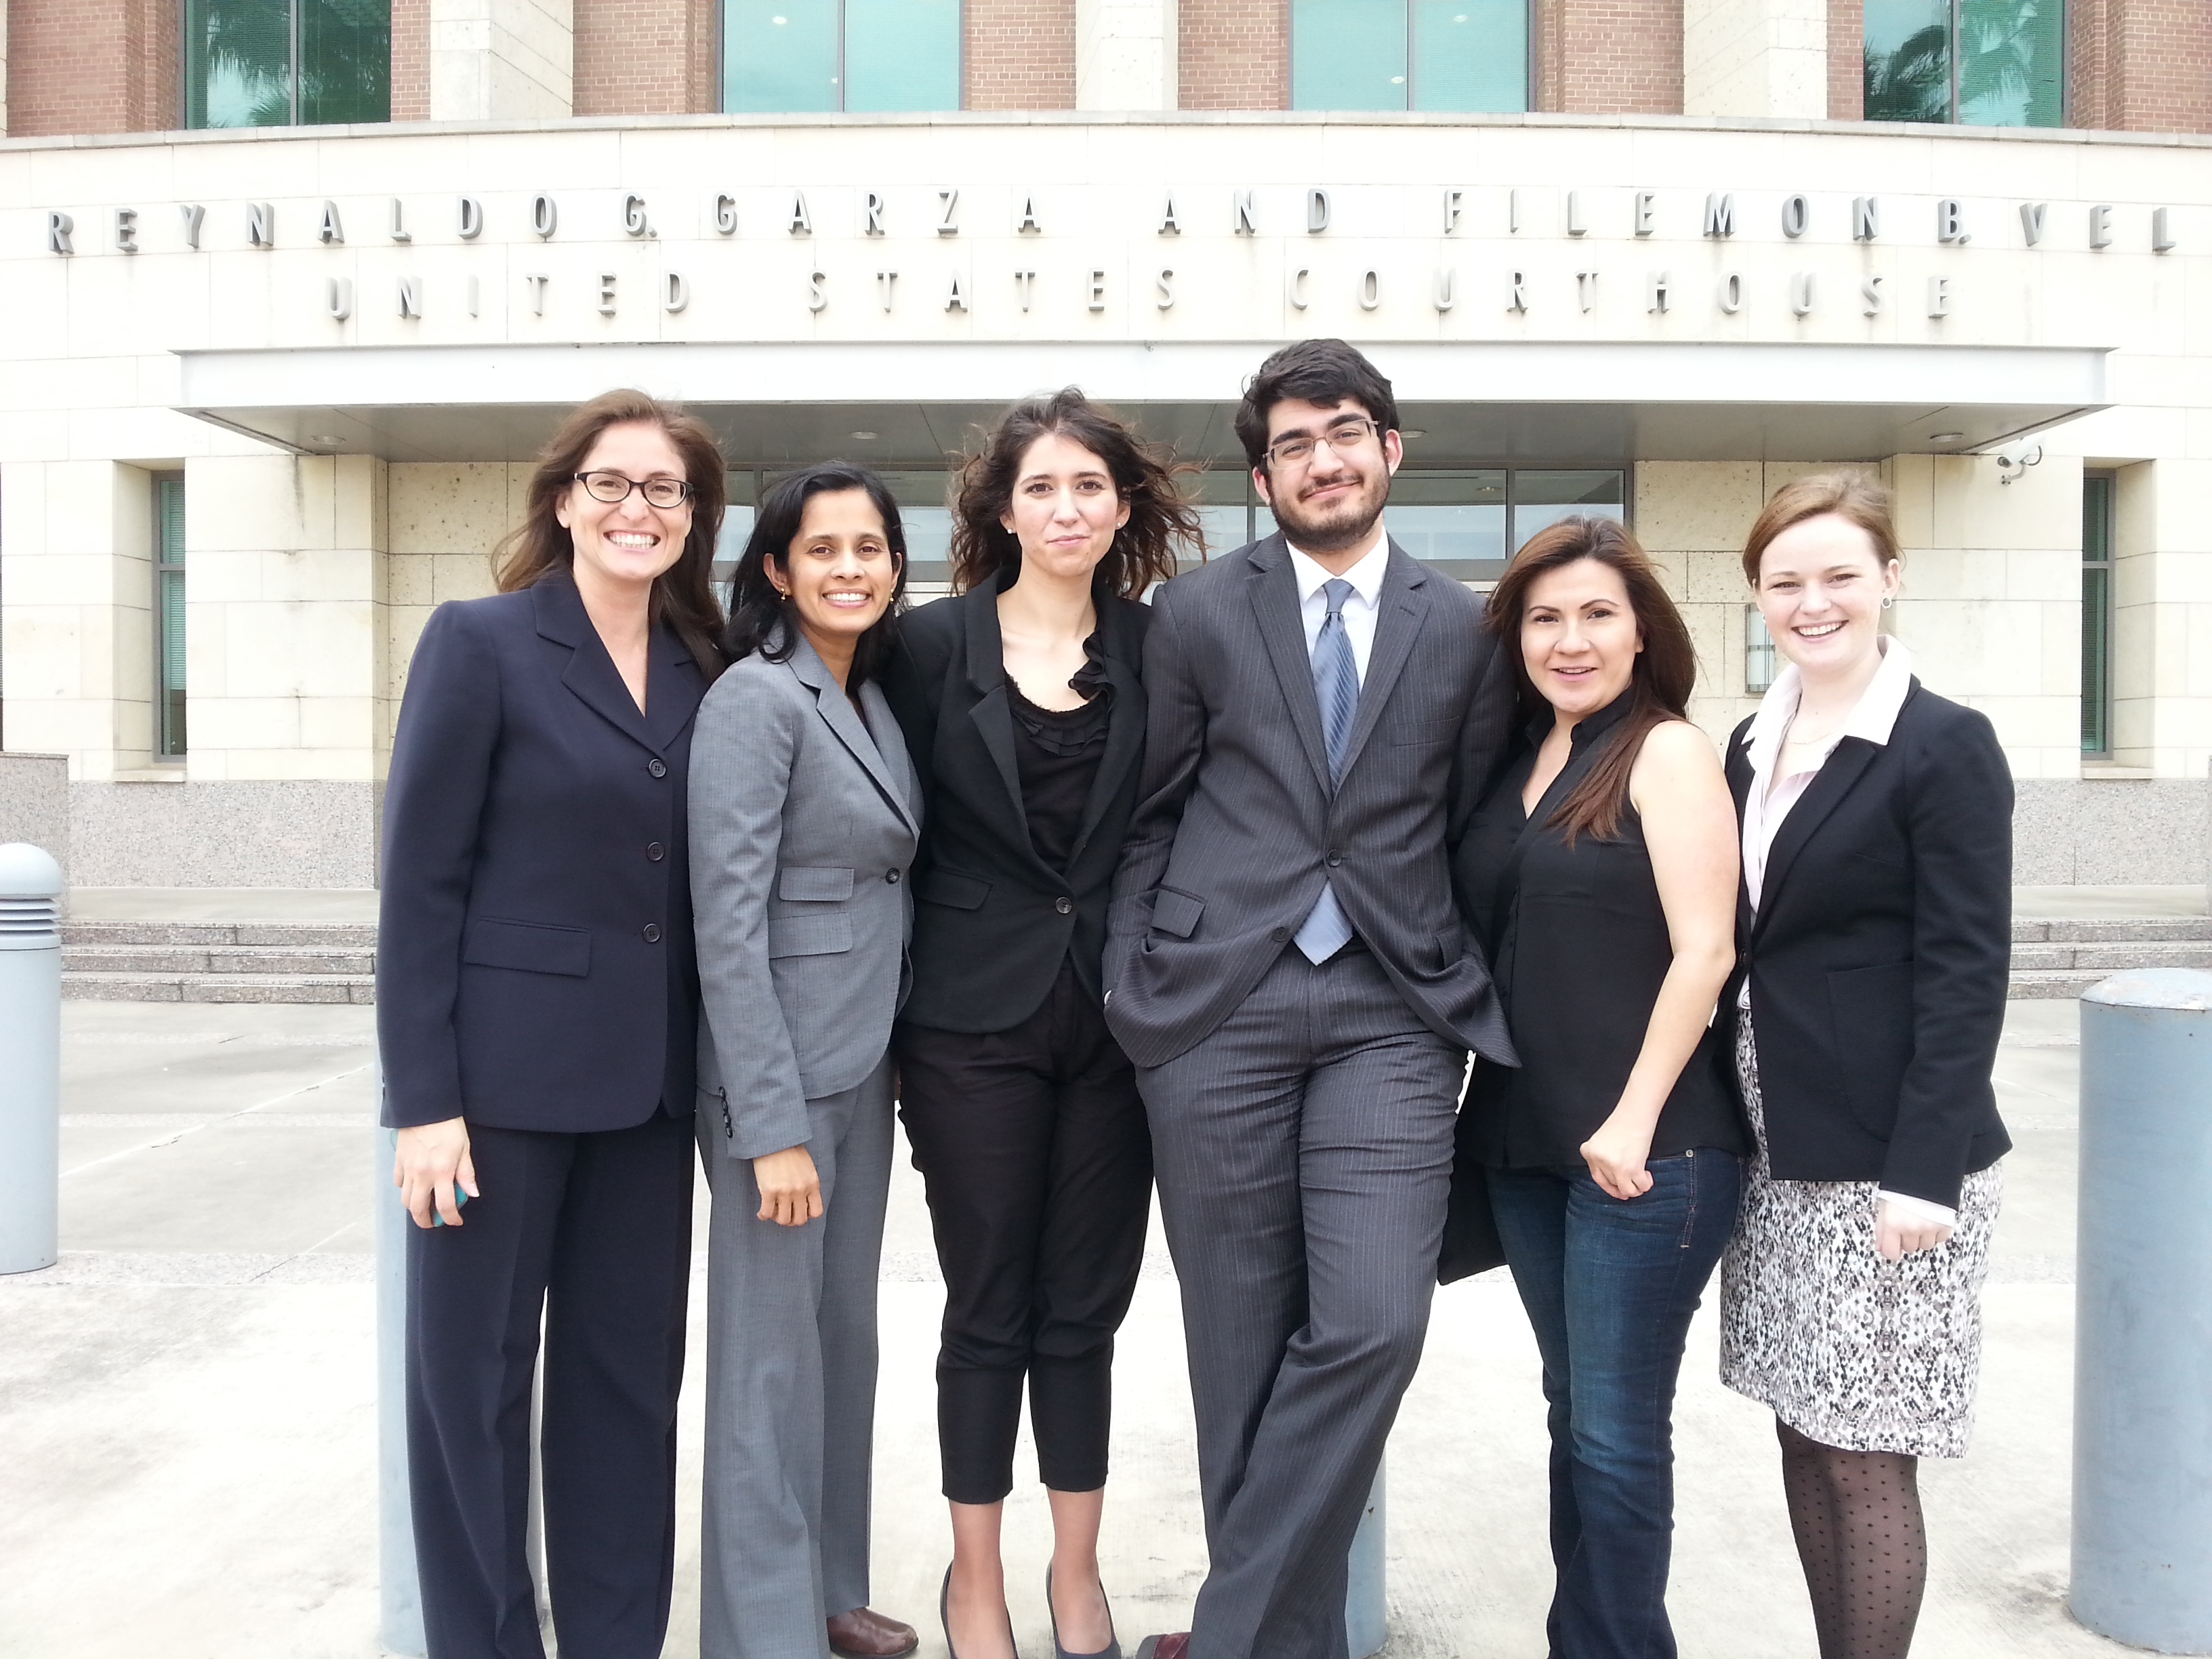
(30, 1058)
(401, 1626)
(2142, 1406)
(1365, 1606)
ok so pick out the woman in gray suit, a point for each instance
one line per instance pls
(803, 816)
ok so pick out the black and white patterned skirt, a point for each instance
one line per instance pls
(1850, 1350)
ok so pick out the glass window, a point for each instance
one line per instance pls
(1758, 652)
(928, 525)
(2097, 614)
(1986, 63)
(1225, 511)
(779, 56)
(1409, 54)
(1544, 498)
(1453, 520)
(169, 618)
(286, 62)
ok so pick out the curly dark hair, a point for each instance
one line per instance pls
(1323, 372)
(764, 620)
(1146, 476)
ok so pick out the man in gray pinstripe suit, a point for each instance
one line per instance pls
(1288, 969)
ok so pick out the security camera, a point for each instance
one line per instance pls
(2015, 459)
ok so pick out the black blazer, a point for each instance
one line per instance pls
(1879, 955)
(534, 966)
(994, 919)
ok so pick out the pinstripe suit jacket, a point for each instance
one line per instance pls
(1237, 827)
(803, 827)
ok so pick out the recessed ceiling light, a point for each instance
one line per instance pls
(1413, 432)
(325, 437)
(864, 437)
(1945, 437)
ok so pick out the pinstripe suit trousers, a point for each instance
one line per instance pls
(1303, 1154)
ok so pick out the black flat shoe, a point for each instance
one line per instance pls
(1113, 1648)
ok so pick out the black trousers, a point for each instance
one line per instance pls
(594, 1232)
(1039, 1166)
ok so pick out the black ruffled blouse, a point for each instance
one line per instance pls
(1057, 751)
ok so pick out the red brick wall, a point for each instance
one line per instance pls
(1609, 56)
(1847, 60)
(92, 66)
(2141, 65)
(411, 60)
(1018, 54)
(1234, 54)
(646, 56)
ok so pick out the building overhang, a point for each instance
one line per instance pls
(1473, 402)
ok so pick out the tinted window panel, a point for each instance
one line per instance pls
(902, 54)
(345, 61)
(1348, 54)
(1908, 60)
(238, 63)
(1471, 55)
(779, 56)
(2012, 59)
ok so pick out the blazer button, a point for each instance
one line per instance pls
(655, 851)
(1335, 858)
(658, 767)
(1281, 935)
(1066, 906)
(892, 877)
(651, 933)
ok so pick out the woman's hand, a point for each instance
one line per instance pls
(432, 1159)
(790, 1190)
(1898, 1234)
(1616, 1153)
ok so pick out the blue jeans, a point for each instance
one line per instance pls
(1610, 1286)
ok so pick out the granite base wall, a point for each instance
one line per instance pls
(288, 833)
(34, 802)
(2095, 832)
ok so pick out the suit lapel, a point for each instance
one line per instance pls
(993, 720)
(673, 687)
(590, 672)
(1274, 596)
(841, 717)
(1830, 785)
(1401, 608)
(1738, 772)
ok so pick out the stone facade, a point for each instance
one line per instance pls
(1608, 57)
(2141, 65)
(1018, 54)
(1234, 54)
(646, 57)
(91, 66)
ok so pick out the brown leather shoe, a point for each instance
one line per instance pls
(1164, 1647)
(863, 1633)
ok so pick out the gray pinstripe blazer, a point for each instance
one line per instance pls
(803, 826)
(1237, 827)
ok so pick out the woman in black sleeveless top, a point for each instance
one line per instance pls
(1600, 873)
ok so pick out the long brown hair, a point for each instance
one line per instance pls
(1145, 476)
(1850, 495)
(1659, 685)
(684, 594)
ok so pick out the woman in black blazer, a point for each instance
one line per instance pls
(1024, 715)
(1873, 938)
(538, 1010)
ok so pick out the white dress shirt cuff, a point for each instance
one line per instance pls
(1918, 1209)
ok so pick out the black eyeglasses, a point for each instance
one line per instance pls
(613, 487)
(1347, 433)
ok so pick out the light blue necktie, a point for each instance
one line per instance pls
(1336, 686)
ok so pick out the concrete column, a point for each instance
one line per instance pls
(285, 622)
(2162, 619)
(1126, 54)
(1756, 57)
(499, 60)
(78, 574)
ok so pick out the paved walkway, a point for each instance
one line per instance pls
(186, 1401)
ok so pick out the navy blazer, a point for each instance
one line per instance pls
(1879, 956)
(995, 921)
(534, 965)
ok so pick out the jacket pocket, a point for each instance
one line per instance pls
(1176, 913)
(816, 884)
(809, 936)
(1871, 1011)
(949, 887)
(532, 947)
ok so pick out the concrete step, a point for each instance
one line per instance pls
(2053, 984)
(2160, 929)
(124, 986)
(2111, 955)
(134, 958)
(328, 935)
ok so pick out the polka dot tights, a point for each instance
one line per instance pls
(1856, 1517)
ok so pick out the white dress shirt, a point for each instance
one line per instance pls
(1360, 610)
(1768, 801)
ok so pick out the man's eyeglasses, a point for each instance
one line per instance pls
(1347, 433)
(613, 487)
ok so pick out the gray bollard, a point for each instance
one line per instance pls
(401, 1624)
(30, 1058)
(1365, 1606)
(2142, 1403)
